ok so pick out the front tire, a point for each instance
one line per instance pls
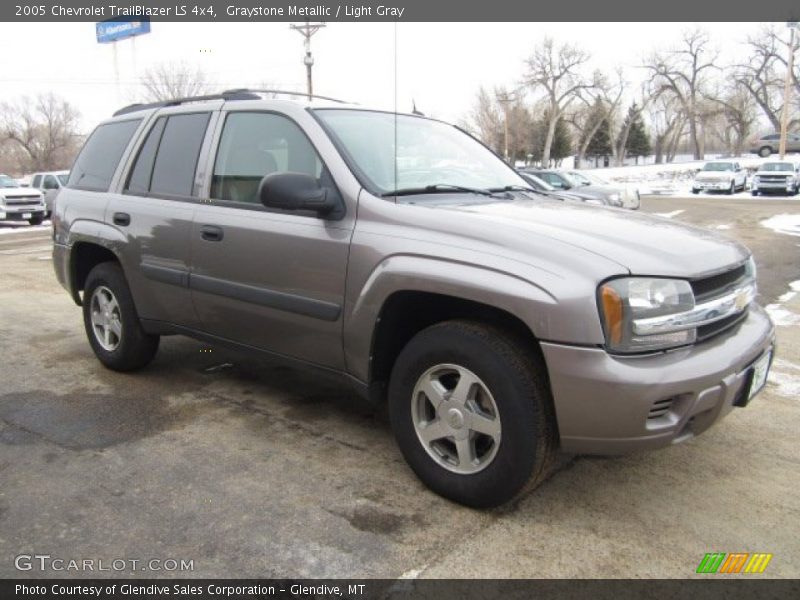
(112, 324)
(732, 189)
(37, 220)
(472, 413)
(765, 151)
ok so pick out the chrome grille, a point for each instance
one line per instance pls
(712, 287)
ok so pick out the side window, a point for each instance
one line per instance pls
(50, 183)
(254, 145)
(772, 137)
(37, 180)
(99, 157)
(176, 160)
(139, 179)
(167, 160)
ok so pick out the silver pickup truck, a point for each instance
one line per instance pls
(776, 177)
(398, 253)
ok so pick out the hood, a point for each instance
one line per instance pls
(643, 244)
(19, 192)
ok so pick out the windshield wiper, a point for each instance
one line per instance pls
(514, 188)
(439, 188)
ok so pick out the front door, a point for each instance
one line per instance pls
(269, 279)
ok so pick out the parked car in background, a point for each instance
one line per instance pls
(628, 194)
(544, 188)
(562, 181)
(720, 176)
(780, 176)
(49, 183)
(770, 144)
(20, 204)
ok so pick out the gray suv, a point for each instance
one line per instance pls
(400, 254)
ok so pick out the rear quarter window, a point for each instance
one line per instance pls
(94, 168)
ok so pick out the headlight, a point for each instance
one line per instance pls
(625, 301)
(643, 314)
(614, 197)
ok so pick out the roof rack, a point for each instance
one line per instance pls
(237, 94)
(283, 93)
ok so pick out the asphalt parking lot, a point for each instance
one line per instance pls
(253, 470)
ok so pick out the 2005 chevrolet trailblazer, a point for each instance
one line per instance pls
(400, 253)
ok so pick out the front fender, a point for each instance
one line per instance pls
(529, 302)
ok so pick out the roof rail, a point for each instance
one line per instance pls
(237, 94)
(227, 95)
(283, 93)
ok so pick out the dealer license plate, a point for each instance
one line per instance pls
(26, 215)
(760, 371)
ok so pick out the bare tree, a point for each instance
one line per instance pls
(737, 108)
(763, 76)
(487, 121)
(42, 132)
(684, 73)
(556, 71)
(667, 123)
(165, 81)
(595, 109)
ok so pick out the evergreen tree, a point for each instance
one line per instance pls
(638, 142)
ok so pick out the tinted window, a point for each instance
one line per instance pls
(254, 145)
(139, 180)
(37, 179)
(771, 137)
(50, 183)
(176, 159)
(97, 161)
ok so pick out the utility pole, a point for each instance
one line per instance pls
(505, 98)
(787, 88)
(307, 31)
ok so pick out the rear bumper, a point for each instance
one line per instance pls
(603, 402)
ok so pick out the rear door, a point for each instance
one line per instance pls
(154, 211)
(269, 279)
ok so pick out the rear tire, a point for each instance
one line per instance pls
(112, 324)
(508, 393)
(765, 151)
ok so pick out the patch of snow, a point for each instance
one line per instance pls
(788, 224)
(669, 215)
(723, 226)
(10, 228)
(780, 316)
(788, 384)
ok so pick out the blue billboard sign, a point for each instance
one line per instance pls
(114, 29)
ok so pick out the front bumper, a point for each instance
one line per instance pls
(766, 187)
(606, 404)
(712, 186)
(14, 213)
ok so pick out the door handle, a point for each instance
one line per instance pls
(211, 233)
(121, 218)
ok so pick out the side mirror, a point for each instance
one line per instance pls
(295, 191)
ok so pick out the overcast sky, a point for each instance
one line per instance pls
(439, 66)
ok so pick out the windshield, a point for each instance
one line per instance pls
(391, 153)
(7, 182)
(777, 167)
(718, 167)
(63, 178)
(537, 182)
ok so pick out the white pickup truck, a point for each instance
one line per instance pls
(720, 176)
(779, 176)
